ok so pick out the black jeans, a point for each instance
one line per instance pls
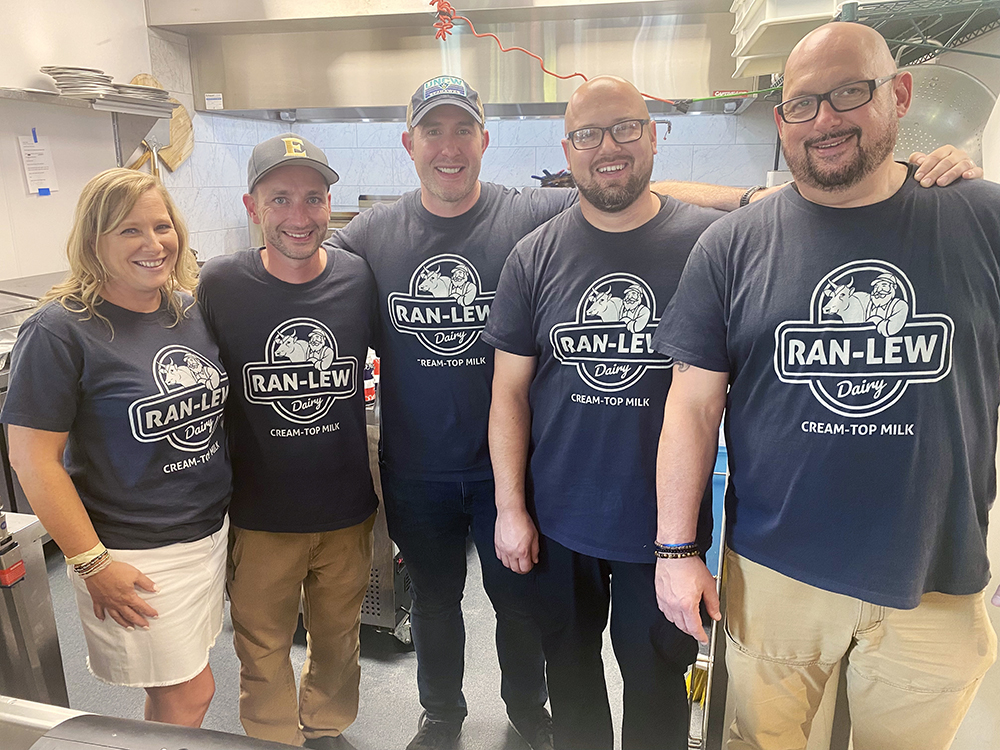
(574, 594)
(430, 522)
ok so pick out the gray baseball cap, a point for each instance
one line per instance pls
(444, 90)
(287, 148)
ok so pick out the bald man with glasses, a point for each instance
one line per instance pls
(850, 329)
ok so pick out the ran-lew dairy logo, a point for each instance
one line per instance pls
(445, 307)
(611, 341)
(864, 342)
(188, 407)
(303, 373)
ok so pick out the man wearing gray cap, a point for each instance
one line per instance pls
(296, 321)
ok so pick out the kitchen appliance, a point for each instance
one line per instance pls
(386, 606)
(949, 106)
(30, 660)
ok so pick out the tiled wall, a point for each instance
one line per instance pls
(370, 159)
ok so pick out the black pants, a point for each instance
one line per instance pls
(430, 521)
(575, 592)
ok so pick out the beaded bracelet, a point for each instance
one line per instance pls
(95, 566)
(676, 551)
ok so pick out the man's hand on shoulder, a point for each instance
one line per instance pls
(943, 166)
(996, 597)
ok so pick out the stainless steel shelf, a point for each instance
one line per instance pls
(919, 30)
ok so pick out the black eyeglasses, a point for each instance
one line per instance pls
(842, 99)
(626, 131)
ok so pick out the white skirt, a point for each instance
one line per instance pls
(190, 577)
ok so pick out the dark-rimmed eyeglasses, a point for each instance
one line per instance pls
(842, 99)
(626, 131)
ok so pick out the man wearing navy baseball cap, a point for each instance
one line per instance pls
(295, 320)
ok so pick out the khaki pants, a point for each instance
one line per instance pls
(268, 573)
(911, 676)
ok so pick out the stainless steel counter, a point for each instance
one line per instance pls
(32, 287)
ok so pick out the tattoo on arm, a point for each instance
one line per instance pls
(682, 366)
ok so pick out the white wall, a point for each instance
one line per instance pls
(33, 228)
(105, 34)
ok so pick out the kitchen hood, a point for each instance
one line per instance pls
(298, 60)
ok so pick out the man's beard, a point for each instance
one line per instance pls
(614, 198)
(806, 169)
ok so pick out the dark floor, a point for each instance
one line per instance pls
(389, 706)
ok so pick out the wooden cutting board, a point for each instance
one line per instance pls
(181, 130)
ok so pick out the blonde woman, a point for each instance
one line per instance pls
(114, 414)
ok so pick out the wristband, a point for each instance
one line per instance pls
(745, 199)
(85, 557)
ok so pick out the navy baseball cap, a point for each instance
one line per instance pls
(444, 90)
(287, 148)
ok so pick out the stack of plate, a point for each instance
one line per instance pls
(135, 91)
(82, 83)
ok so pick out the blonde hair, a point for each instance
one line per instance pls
(104, 203)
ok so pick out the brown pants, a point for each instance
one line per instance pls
(911, 676)
(268, 574)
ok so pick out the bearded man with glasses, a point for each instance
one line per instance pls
(577, 405)
(850, 329)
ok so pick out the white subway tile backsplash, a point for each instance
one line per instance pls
(721, 149)
(673, 163)
(209, 244)
(232, 211)
(203, 128)
(348, 163)
(378, 165)
(696, 129)
(183, 176)
(756, 124)
(170, 64)
(526, 133)
(404, 171)
(551, 158)
(380, 134)
(509, 166)
(220, 165)
(330, 135)
(237, 130)
(731, 164)
(199, 207)
(267, 129)
(236, 239)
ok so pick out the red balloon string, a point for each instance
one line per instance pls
(446, 17)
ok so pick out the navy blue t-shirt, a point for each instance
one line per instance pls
(585, 303)
(436, 279)
(142, 402)
(862, 347)
(297, 418)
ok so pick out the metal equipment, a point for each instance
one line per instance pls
(949, 106)
(387, 601)
(32, 726)
(30, 660)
